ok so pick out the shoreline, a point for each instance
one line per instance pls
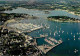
(63, 21)
(36, 27)
(69, 12)
(54, 9)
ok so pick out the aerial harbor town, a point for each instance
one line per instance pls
(39, 27)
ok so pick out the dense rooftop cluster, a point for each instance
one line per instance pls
(7, 16)
(13, 43)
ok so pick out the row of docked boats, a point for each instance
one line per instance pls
(52, 41)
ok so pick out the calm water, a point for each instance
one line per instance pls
(71, 31)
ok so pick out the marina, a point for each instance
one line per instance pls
(51, 43)
(23, 27)
(53, 40)
(67, 32)
(47, 48)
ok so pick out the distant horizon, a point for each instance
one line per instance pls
(39, 0)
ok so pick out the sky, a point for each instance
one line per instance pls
(34, 0)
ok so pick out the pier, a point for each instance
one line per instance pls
(53, 40)
(48, 41)
(42, 36)
(39, 37)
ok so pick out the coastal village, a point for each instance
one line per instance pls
(14, 34)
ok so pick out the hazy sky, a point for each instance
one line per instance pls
(33, 0)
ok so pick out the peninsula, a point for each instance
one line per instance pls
(63, 19)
